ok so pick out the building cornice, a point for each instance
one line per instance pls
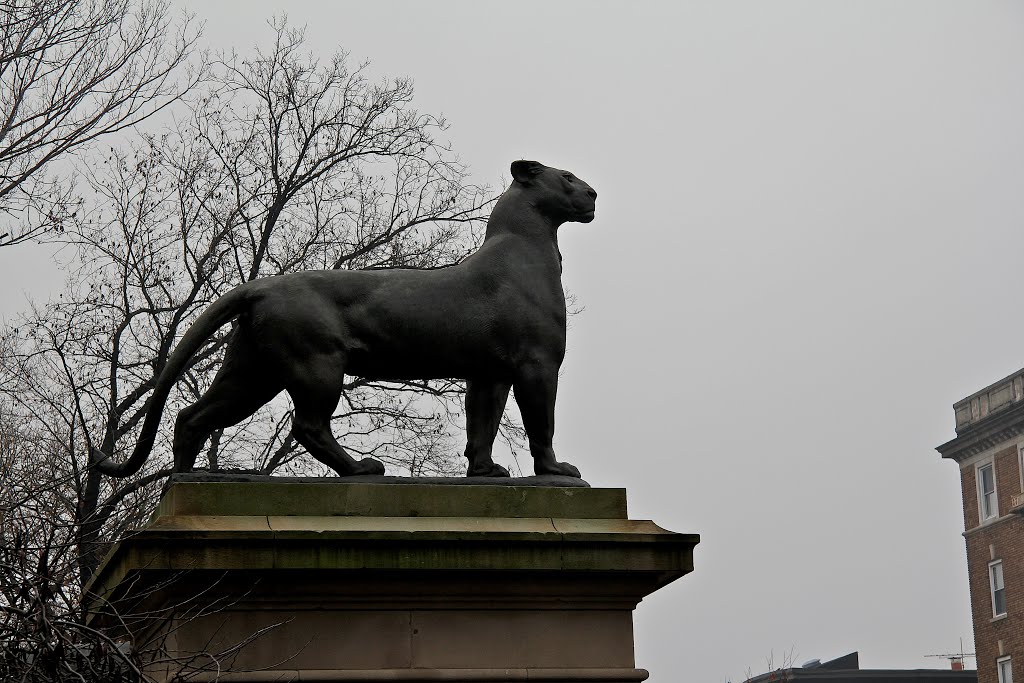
(995, 429)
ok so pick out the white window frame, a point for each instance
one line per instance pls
(994, 507)
(995, 570)
(1020, 465)
(1004, 669)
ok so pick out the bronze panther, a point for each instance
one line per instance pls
(497, 320)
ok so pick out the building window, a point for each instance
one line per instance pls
(987, 491)
(1020, 464)
(995, 581)
(1005, 668)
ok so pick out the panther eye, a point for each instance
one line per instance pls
(570, 177)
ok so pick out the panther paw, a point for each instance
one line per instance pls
(560, 468)
(368, 466)
(490, 470)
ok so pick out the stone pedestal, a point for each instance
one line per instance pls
(339, 581)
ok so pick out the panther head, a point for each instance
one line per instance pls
(557, 193)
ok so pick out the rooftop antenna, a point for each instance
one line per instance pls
(956, 661)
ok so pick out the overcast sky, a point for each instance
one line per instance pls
(807, 247)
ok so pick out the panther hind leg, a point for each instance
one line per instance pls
(238, 390)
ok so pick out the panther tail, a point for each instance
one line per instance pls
(217, 314)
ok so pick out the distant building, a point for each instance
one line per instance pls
(989, 448)
(847, 669)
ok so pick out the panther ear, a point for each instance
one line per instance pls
(523, 170)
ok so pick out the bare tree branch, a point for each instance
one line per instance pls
(72, 71)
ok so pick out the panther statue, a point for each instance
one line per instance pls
(496, 320)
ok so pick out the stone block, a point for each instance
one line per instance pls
(260, 581)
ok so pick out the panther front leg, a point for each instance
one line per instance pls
(485, 404)
(535, 390)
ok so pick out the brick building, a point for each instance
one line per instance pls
(989, 448)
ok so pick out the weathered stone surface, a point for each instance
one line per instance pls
(357, 581)
(343, 497)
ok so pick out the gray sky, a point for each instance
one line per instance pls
(806, 249)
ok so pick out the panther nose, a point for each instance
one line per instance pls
(592, 193)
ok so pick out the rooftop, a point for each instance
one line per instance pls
(847, 669)
(993, 398)
(987, 418)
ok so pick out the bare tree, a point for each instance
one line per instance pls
(284, 163)
(45, 635)
(775, 671)
(42, 634)
(72, 71)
